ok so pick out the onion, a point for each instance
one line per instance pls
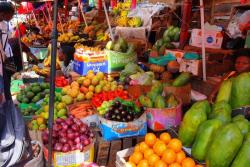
(83, 129)
(79, 146)
(75, 127)
(63, 140)
(73, 148)
(54, 134)
(86, 142)
(57, 127)
(63, 134)
(59, 120)
(45, 138)
(70, 135)
(71, 117)
(83, 137)
(58, 147)
(77, 140)
(69, 121)
(71, 143)
(64, 126)
(69, 131)
(66, 148)
(76, 134)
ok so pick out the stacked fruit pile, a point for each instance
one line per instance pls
(33, 93)
(160, 152)
(120, 45)
(154, 98)
(68, 135)
(120, 110)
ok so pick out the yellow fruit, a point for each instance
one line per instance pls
(40, 120)
(86, 82)
(150, 139)
(89, 95)
(46, 108)
(90, 75)
(74, 93)
(91, 88)
(74, 83)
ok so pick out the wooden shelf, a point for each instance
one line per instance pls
(209, 50)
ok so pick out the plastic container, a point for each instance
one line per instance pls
(112, 130)
(162, 119)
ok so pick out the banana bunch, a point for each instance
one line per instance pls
(102, 37)
(122, 21)
(47, 61)
(135, 22)
(41, 71)
(124, 13)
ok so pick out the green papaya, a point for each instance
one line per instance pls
(238, 117)
(159, 102)
(243, 126)
(192, 120)
(240, 95)
(182, 79)
(242, 159)
(157, 87)
(224, 93)
(152, 95)
(171, 101)
(222, 111)
(145, 101)
(204, 137)
(224, 146)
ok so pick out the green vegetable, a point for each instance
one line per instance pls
(159, 102)
(222, 111)
(130, 69)
(145, 101)
(243, 126)
(238, 117)
(204, 137)
(243, 157)
(192, 120)
(224, 93)
(182, 79)
(240, 95)
(171, 101)
(224, 147)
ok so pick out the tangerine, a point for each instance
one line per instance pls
(136, 157)
(188, 162)
(175, 165)
(199, 166)
(143, 163)
(148, 152)
(160, 163)
(137, 148)
(175, 144)
(169, 156)
(152, 159)
(143, 146)
(165, 137)
(159, 148)
(150, 139)
(180, 156)
(130, 164)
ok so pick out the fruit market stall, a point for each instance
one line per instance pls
(127, 102)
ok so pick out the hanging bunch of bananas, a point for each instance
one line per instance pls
(122, 21)
(135, 22)
(47, 61)
(101, 35)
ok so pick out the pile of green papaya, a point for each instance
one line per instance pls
(214, 136)
(236, 91)
(154, 98)
(171, 34)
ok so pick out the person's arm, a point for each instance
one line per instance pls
(26, 49)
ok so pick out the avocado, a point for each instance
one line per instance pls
(19, 97)
(30, 95)
(43, 85)
(36, 89)
(35, 99)
(46, 91)
(25, 100)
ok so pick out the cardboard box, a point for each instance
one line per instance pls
(213, 39)
(112, 130)
(83, 62)
(192, 66)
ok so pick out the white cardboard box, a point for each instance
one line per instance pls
(213, 38)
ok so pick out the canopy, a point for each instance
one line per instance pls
(25, 8)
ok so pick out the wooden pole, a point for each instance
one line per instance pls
(203, 41)
(107, 18)
(83, 15)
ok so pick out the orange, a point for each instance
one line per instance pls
(165, 137)
(152, 159)
(143, 163)
(169, 156)
(130, 164)
(175, 165)
(143, 146)
(137, 148)
(199, 166)
(188, 162)
(136, 157)
(180, 156)
(150, 139)
(159, 148)
(175, 144)
(160, 163)
(148, 152)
